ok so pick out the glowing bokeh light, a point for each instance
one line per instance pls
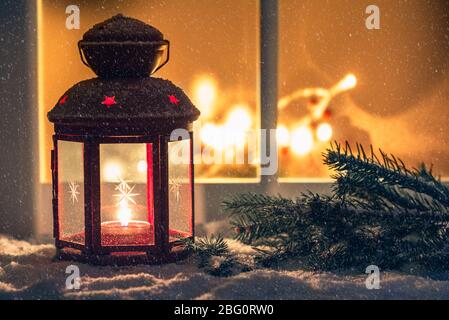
(283, 136)
(142, 166)
(209, 133)
(347, 83)
(212, 135)
(112, 171)
(238, 122)
(239, 118)
(324, 132)
(301, 141)
(205, 94)
(234, 137)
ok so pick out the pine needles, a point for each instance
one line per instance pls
(380, 212)
(213, 255)
(386, 183)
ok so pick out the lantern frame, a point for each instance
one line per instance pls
(92, 251)
(147, 110)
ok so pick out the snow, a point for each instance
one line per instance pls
(28, 271)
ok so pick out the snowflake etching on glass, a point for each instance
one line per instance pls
(175, 188)
(73, 192)
(125, 192)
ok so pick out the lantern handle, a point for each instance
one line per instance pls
(167, 44)
(83, 58)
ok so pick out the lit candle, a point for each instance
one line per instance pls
(125, 231)
(136, 232)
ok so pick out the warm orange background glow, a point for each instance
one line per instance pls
(213, 38)
(401, 99)
(399, 103)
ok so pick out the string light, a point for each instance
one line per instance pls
(301, 140)
(347, 83)
(239, 118)
(210, 134)
(205, 95)
(324, 132)
(283, 136)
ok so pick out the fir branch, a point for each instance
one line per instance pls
(389, 179)
(207, 246)
(213, 255)
(257, 216)
(381, 212)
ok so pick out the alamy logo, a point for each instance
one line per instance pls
(73, 20)
(73, 281)
(260, 150)
(373, 279)
(373, 20)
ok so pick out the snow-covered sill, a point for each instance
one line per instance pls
(28, 271)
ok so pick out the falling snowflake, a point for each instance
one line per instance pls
(125, 192)
(73, 192)
(175, 187)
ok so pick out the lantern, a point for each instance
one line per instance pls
(122, 188)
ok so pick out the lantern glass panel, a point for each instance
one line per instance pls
(179, 189)
(126, 189)
(71, 191)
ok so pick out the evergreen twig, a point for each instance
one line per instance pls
(381, 212)
(213, 254)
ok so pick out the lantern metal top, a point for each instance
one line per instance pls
(113, 102)
(124, 52)
(122, 28)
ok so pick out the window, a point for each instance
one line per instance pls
(399, 101)
(336, 80)
(213, 57)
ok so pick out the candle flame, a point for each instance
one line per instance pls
(124, 214)
(126, 196)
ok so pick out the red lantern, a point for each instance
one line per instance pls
(122, 189)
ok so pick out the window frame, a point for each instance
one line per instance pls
(267, 94)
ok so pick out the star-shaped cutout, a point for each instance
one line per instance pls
(63, 99)
(173, 99)
(109, 101)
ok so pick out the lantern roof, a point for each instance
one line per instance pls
(122, 28)
(123, 52)
(121, 102)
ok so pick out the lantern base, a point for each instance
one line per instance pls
(177, 253)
